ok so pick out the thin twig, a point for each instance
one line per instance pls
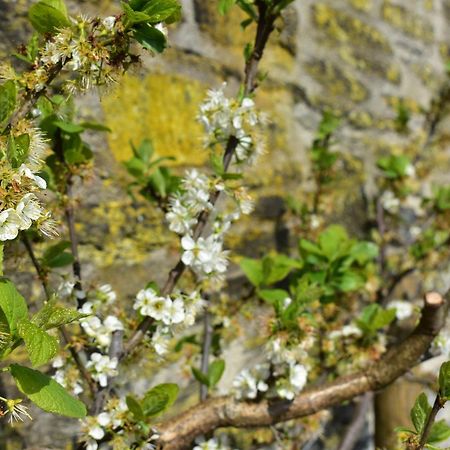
(206, 347)
(76, 265)
(354, 430)
(77, 355)
(437, 406)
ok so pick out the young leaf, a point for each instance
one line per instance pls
(440, 431)
(47, 16)
(52, 316)
(8, 93)
(215, 371)
(225, 6)
(150, 38)
(135, 407)
(444, 380)
(419, 412)
(159, 399)
(12, 304)
(56, 256)
(46, 393)
(253, 270)
(162, 10)
(200, 376)
(41, 347)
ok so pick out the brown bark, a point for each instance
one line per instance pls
(177, 433)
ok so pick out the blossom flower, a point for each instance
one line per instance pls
(109, 22)
(102, 367)
(149, 303)
(205, 255)
(173, 312)
(25, 171)
(160, 341)
(403, 309)
(101, 331)
(346, 331)
(9, 225)
(181, 217)
(390, 202)
(28, 210)
(16, 411)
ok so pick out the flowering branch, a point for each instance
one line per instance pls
(177, 433)
(265, 26)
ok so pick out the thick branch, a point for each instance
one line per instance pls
(178, 433)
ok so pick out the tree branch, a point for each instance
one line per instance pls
(177, 433)
(76, 355)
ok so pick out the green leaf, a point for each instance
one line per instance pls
(41, 347)
(440, 431)
(159, 399)
(350, 281)
(68, 127)
(363, 252)
(56, 256)
(200, 376)
(46, 393)
(273, 296)
(162, 10)
(279, 268)
(225, 6)
(420, 412)
(18, 149)
(135, 407)
(332, 240)
(47, 16)
(8, 94)
(95, 126)
(444, 380)
(134, 17)
(52, 316)
(150, 38)
(404, 430)
(253, 270)
(215, 371)
(12, 304)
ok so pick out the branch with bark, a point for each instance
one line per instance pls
(177, 433)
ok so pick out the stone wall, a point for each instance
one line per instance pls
(358, 58)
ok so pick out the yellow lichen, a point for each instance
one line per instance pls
(159, 107)
(410, 23)
(362, 5)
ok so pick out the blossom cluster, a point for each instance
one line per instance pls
(99, 304)
(20, 207)
(169, 312)
(222, 119)
(282, 375)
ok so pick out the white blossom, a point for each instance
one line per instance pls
(9, 224)
(109, 22)
(403, 309)
(102, 367)
(149, 303)
(390, 202)
(205, 256)
(26, 172)
(28, 210)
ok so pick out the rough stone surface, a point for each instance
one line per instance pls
(357, 58)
